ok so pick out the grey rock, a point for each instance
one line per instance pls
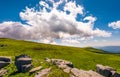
(94, 74)
(104, 70)
(67, 70)
(47, 60)
(79, 73)
(3, 45)
(62, 66)
(61, 62)
(26, 68)
(71, 75)
(43, 72)
(3, 72)
(82, 73)
(23, 63)
(4, 61)
(35, 69)
(115, 74)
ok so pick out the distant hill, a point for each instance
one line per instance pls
(111, 49)
(82, 58)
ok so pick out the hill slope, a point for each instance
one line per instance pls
(83, 58)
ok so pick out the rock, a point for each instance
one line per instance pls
(67, 70)
(71, 75)
(61, 62)
(2, 45)
(70, 65)
(43, 72)
(115, 75)
(35, 69)
(23, 63)
(75, 71)
(4, 61)
(26, 68)
(79, 73)
(105, 70)
(3, 72)
(94, 74)
(48, 60)
(4, 58)
(62, 66)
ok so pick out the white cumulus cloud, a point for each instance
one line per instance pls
(46, 26)
(73, 8)
(115, 25)
(14, 30)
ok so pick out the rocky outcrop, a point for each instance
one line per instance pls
(23, 63)
(107, 71)
(4, 61)
(43, 72)
(67, 67)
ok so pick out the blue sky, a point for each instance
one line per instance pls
(104, 12)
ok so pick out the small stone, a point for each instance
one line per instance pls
(43, 72)
(48, 60)
(3, 72)
(35, 69)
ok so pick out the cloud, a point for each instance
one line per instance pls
(42, 3)
(69, 42)
(73, 9)
(115, 25)
(50, 23)
(14, 30)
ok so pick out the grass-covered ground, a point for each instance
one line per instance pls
(82, 58)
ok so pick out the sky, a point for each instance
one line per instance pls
(63, 22)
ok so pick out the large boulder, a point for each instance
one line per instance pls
(23, 63)
(105, 70)
(4, 61)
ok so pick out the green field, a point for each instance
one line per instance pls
(82, 58)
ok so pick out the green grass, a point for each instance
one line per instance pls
(82, 58)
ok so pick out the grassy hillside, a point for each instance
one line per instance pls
(83, 58)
